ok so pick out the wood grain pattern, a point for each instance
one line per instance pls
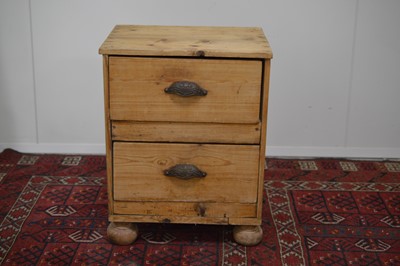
(263, 144)
(212, 209)
(239, 42)
(182, 219)
(108, 134)
(245, 221)
(232, 172)
(186, 132)
(137, 90)
(168, 219)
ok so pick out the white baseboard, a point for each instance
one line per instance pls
(333, 152)
(74, 148)
(272, 151)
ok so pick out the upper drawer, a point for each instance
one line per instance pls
(137, 89)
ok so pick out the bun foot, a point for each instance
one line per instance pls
(248, 235)
(122, 233)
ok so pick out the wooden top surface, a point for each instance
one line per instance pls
(195, 41)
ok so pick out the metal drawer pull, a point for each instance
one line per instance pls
(186, 89)
(184, 171)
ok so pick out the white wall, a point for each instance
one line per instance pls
(335, 80)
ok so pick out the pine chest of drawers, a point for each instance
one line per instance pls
(186, 112)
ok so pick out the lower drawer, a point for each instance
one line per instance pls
(139, 172)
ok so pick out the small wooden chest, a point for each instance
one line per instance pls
(186, 114)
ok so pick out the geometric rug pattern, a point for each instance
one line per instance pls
(53, 211)
(332, 212)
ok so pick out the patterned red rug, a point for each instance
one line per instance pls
(53, 211)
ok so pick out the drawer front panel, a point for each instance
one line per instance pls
(137, 90)
(231, 172)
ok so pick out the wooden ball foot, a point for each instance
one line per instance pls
(248, 235)
(122, 233)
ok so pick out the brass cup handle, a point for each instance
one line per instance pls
(186, 89)
(185, 171)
